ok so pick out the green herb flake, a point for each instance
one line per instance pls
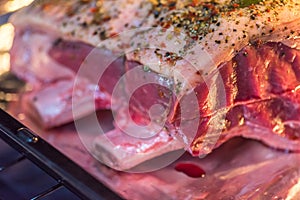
(146, 68)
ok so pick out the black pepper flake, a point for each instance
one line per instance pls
(218, 24)
(156, 13)
(73, 33)
(102, 35)
(220, 33)
(172, 4)
(281, 54)
(57, 42)
(252, 17)
(95, 32)
(199, 72)
(217, 41)
(234, 30)
(233, 44)
(84, 24)
(245, 54)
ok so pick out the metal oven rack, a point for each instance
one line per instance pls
(65, 173)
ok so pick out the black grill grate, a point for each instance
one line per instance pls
(65, 179)
(21, 179)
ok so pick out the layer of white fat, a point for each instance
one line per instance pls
(124, 15)
(205, 55)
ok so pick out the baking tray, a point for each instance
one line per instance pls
(239, 169)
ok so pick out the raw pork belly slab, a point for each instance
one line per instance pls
(176, 74)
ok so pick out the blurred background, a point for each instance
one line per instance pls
(12, 5)
(8, 84)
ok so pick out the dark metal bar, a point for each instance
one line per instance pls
(4, 18)
(52, 161)
(47, 192)
(8, 165)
